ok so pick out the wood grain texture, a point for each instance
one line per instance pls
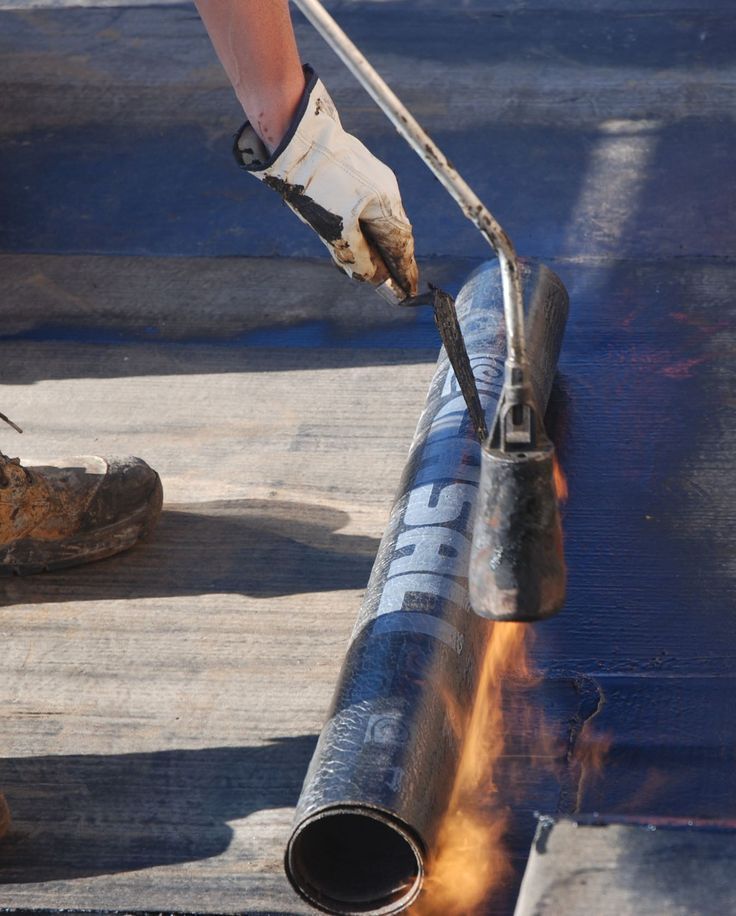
(160, 708)
(114, 299)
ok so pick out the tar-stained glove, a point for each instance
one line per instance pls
(336, 186)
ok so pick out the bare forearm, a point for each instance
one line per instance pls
(254, 40)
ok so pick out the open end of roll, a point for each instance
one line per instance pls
(348, 860)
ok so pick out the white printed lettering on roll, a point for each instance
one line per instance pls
(426, 556)
(447, 508)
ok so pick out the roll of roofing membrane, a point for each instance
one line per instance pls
(383, 767)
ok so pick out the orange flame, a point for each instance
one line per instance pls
(470, 857)
(588, 758)
(560, 481)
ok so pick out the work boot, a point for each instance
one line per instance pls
(64, 513)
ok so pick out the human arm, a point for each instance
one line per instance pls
(294, 142)
(254, 40)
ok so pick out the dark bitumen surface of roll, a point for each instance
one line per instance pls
(381, 773)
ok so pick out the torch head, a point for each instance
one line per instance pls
(517, 567)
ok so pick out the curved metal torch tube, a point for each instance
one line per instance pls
(381, 774)
(446, 173)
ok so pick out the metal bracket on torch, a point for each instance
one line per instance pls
(516, 426)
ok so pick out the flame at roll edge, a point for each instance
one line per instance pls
(470, 858)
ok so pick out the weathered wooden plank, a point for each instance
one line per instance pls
(114, 299)
(574, 127)
(160, 708)
(520, 63)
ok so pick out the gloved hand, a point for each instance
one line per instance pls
(336, 186)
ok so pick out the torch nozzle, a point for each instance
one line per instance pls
(517, 567)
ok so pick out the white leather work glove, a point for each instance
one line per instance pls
(336, 186)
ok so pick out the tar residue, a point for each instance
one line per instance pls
(327, 225)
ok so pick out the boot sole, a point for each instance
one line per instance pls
(26, 558)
